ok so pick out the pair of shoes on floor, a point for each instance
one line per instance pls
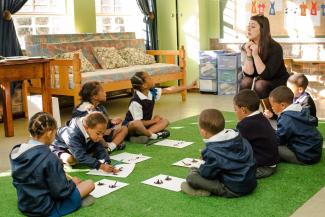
(139, 139)
(163, 134)
(87, 201)
(187, 189)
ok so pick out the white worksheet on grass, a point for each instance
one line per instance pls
(129, 157)
(105, 186)
(164, 181)
(173, 143)
(189, 162)
(125, 170)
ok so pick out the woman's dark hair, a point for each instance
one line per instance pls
(137, 80)
(89, 90)
(95, 118)
(40, 123)
(247, 98)
(265, 35)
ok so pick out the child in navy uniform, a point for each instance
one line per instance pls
(92, 98)
(38, 175)
(300, 141)
(229, 168)
(79, 142)
(141, 125)
(298, 84)
(254, 127)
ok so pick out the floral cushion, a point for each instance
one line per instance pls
(86, 66)
(135, 56)
(109, 58)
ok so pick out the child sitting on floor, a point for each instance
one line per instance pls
(300, 141)
(79, 142)
(92, 96)
(254, 127)
(229, 168)
(298, 83)
(141, 125)
(38, 175)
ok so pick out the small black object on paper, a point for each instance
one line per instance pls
(159, 181)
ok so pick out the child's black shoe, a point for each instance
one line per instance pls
(121, 146)
(163, 134)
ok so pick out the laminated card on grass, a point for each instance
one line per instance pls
(189, 162)
(173, 143)
(129, 157)
(105, 186)
(171, 183)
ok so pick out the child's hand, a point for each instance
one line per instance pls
(76, 180)
(116, 121)
(193, 85)
(107, 132)
(157, 118)
(268, 113)
(108, 168)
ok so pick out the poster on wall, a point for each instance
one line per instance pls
(272, 8)
(313, 10)
(323, 9)
(303, 8)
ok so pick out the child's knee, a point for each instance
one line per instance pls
(164, 121)
(135, 124)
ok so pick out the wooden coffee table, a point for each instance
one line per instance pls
(19, 70)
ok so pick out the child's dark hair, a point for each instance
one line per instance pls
(88, 90)
(40, 123)
(137, 80)
(247, 98)
(212, 121)
(299, 79)
(282, 94)
(94, 118)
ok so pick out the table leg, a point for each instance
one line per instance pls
(46, 91)
(7, 109)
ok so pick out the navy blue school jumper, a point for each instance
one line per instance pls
(141, 106)
(260, 134)
(75, 140)
(306, 101)
(40, 180)
(296, 129)
(82, 110)
(230, 161)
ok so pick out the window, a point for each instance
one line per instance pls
(119, 16)
(43, 17)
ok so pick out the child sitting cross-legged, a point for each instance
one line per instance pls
(299, 140)
(80, 142)
(42, 186)
(142, 124)
(254, 127)
(298, 83)
(92, 98)
(229, 168)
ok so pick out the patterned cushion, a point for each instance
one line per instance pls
(135, 56)
(109, 58)
(86, 66)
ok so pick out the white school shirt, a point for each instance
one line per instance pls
(136, 109)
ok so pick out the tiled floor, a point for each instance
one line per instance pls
(173, 108)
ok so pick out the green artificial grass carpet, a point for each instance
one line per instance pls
(278, 195)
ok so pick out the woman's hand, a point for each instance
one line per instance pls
(254, 48)
(248, 48)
